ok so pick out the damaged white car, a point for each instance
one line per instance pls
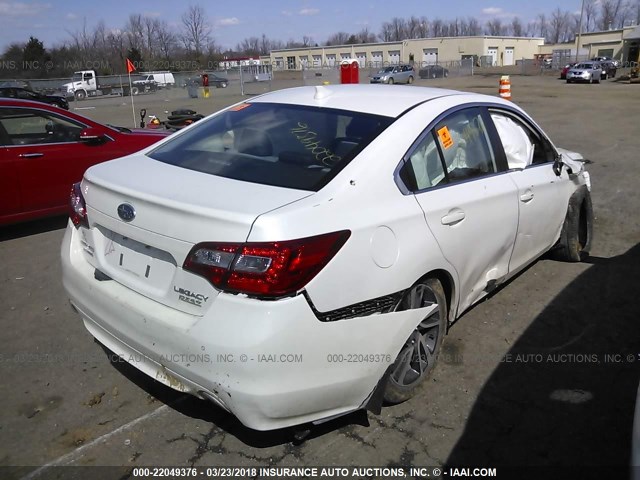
(301, 255)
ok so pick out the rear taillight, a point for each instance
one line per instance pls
(273, 269)
(77, 207)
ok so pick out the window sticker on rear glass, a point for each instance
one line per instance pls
(237, 108)
(445, 138)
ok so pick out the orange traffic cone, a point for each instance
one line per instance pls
(505, 87)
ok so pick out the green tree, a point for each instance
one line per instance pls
(34, 50)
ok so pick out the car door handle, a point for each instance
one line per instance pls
(30, 155)
(453, 217)
(526, 196)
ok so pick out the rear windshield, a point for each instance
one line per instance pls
(274, 144)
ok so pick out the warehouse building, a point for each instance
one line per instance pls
(497, 51)
(622, 44)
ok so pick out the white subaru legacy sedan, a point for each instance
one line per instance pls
(300, 255)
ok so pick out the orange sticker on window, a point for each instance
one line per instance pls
(237, 108)
(445, 138)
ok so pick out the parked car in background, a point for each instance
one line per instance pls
(24, 94)
(214, 81)
(44, 148)
(609, 69)
(433, 71)
(616, 63)
(590, 72)
(397, 74)
(565, 69)
(325, 236)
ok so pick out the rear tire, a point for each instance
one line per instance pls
(390, 82)
(577, 231)
(410, 80)
(418, 356)
(80, 94)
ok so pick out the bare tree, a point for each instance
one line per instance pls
(413, 27)
(559, 26)
(339, 38)
(249, 46)
(135, 31)
(196, 29)
(150, 29)
(394, 31)
(437, 28)
(590, 15)
(167, 41)
(495, 27)
(610, 14)
(473, 27)
(365, 36)
(454, 28)
(423, 27)
(517, 30)
(265, 45)
(542, 27)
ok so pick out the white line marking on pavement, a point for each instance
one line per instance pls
(78, 452)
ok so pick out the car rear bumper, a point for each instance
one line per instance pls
(272, 364)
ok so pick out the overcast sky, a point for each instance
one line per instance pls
(232, 21)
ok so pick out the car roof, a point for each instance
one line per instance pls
(386, 100)
(19, 102)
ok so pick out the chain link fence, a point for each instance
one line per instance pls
(422, 70)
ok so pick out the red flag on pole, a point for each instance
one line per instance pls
(130, 67)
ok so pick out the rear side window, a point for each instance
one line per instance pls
(456, 149)
(465, 146)
(274, 144)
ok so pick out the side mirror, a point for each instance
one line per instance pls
(92, 136)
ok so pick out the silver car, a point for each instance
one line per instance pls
(397, 74)
(585, 72)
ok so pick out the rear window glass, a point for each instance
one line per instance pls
(274, 144)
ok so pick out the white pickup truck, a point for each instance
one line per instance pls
(162, 79)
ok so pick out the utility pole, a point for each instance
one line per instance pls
(579, 31)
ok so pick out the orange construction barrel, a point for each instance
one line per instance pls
(505, 87)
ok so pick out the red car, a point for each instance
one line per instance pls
(565, 69)
(44, 150)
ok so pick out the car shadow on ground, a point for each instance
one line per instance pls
(19, 230)
(564, 395)
(196, 408)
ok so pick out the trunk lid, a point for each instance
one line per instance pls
(173, 209)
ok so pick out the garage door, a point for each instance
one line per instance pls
(362, 59)
(345, 57)
(317, 61)
(331, 60)
(429, 56)
(394, 57)
(493, 52)
(508, 56)
(376, 59)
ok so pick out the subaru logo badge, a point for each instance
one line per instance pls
(126, 212)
